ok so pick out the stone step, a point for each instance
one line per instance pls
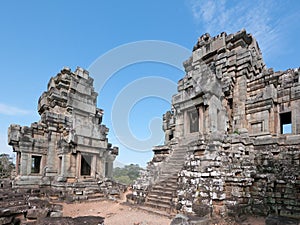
(174, 163)
(177, 157)
(9, 195)
(162, 193)
(165, 193)
(164, 187)
(179, 153)
(166, 200)
(167, 179)
(172, 168)
(163, 197)
(152, 210)
(18, 209)
(96, 196)
(158, 206)
(165, 182)
(166, 175)
(170, 172)
(167, 203)
(163, 190)
(11, 203)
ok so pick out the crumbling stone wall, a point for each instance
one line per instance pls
(264, 180)
(20, 206)
(276, 186)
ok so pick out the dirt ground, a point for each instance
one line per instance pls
(116, 213)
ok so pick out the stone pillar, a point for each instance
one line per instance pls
(186, 123)
(28, 164)
(179, 129)
(51, 155)
(100, 167)
(18, 158)
(93, 166)
(23, 163)
(78, 164)
(43, 164)
(240, 94)
(109, 168)
(201, 119)
(213, 115)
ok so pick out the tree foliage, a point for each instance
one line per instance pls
(127, 174)
(6, 165)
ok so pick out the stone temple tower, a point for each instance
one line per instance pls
(232, 137)
(68, 145)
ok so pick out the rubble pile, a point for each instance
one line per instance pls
(24, 207)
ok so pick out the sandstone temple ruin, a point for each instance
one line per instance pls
(232, 137)
(68, 148)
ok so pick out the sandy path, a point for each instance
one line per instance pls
(115, 213)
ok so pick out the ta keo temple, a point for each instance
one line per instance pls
(232, 137)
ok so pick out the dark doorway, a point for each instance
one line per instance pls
(106, 169)
(194, 121)
(86, 161)
(35, 164)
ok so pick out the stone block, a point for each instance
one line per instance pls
(36, 213)
(6, 220)
(280, 220)
(56, 214)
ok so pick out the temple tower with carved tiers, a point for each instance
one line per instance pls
(69, 145)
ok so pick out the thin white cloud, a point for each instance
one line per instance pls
(12, 110)
(231, 16)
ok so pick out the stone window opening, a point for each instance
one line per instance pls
(86, 161)
(286, 123)
(35, 164)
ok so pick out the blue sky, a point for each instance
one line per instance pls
(38, 38)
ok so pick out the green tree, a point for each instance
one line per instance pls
(6, 165)
(127, 174)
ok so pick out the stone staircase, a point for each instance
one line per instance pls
(164, 191)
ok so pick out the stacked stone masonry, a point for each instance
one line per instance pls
(237, 125)
(67, 149)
